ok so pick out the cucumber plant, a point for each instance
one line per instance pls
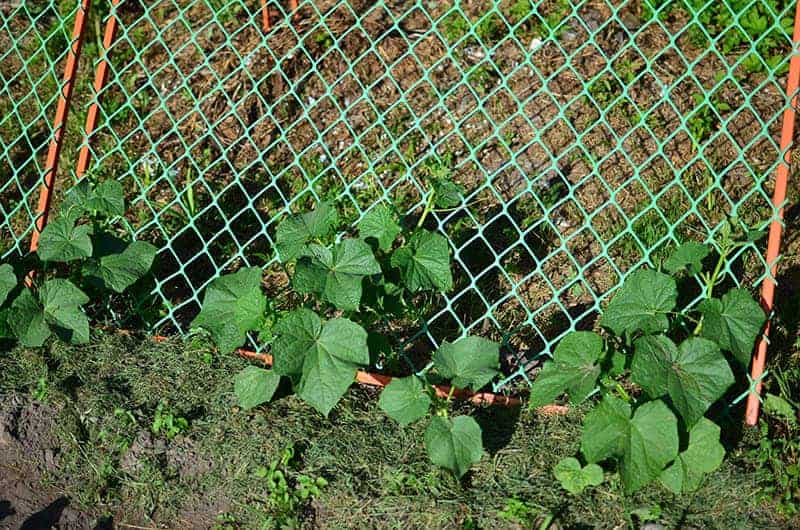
(352, 285)
(454, 443)
(79, 250)
(658, 369)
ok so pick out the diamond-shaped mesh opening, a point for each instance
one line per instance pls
(589, 137)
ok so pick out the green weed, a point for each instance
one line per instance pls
(704, 118)
(287, 489)
(167, 423)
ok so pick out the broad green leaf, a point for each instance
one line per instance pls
(704, 455)
(380, 224)
(336, 275)
(120, 271)
(448, 194)
(105, 243)
(26, 320)
(57, 310)
(62, 302)
(296, 231)
(645, 444)
(75, 201)
(322, 359)
(294, 335)
(424, 262)
(454, 444)
(575, 478)
(574, 369)
(470, 362)
(733, 322)
(62, 241)
(652, 444)
(641, 304)
(778, 407)
(254, 386)
(5, 328)
(605, 430)
(694, 375)
(8, 281)
(689, 256)
(232, 306)
(405, 400)
(107, 198)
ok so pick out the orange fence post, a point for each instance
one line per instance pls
(100, 78)
(59, 125)
(776, 227)
(265, 15)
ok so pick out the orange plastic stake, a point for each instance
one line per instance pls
(100, 78)
(265, 15)
(293, 9)
(776, 227)
(59, 125)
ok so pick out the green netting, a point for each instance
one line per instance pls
(34, 40)
(590, 137)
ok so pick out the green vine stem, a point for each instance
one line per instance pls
(711, 282)
(428, 208)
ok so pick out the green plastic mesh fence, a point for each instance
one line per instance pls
(590, 137)
(34, 40)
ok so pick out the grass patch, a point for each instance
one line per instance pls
(212, 470)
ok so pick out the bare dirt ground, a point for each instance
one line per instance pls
(34, 491)
(29, 450)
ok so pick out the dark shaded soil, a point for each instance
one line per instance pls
(34, 493)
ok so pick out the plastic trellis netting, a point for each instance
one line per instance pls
(589, 139)
(35, 38)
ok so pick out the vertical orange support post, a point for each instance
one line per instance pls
(100, 78)
(265, 14)
(266, 23)
(776, 227)
(59, 125)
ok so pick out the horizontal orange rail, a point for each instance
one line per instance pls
(379, 380)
